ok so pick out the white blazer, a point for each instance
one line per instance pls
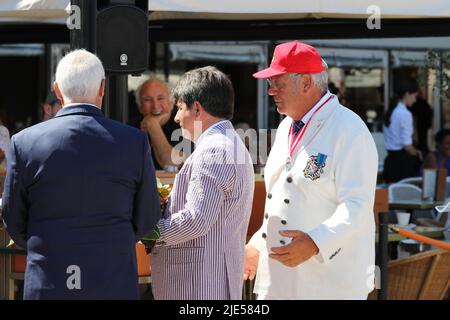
(332, 203)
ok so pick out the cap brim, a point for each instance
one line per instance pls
(268, 73)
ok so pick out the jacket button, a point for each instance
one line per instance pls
(282, 242)
(286, 201)
(264, 235)
(269, 195)
(266, 215)
(283, 221)
(289, 179)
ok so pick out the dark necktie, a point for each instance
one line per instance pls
(298, 125)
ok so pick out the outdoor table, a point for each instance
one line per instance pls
(414, 205)
(395, 237)
(165, 177)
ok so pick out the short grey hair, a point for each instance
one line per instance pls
(137, 92)
(79, 75)
(320, 80)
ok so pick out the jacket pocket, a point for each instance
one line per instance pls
(185, 255)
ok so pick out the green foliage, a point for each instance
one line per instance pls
(432, 63)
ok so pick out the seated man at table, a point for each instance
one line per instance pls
(440, 158)
(157, 120)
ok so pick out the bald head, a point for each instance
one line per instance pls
(153, 97)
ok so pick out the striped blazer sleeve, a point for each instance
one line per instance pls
(212, 176)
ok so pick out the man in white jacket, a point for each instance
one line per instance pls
(317, 240)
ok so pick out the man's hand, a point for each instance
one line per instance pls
(301, 249)
(251, 258)
(151, 120)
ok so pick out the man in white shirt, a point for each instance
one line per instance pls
(317, 240)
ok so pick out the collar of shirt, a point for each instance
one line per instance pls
(309, 114)
(401, 105)
(205, 133)
(80, 104)
(75, 108)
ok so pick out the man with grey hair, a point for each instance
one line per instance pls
(317, 240)
(80, 192)
(156, 107)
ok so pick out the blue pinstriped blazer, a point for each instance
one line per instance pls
(203, 232)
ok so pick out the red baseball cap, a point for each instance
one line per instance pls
(293, 57)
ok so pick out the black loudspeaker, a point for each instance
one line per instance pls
(122, 36)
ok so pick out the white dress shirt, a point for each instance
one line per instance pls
(310, 113)
(399, 133)
(208, 131)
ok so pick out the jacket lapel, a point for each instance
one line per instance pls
(278, 154)
(316, 124)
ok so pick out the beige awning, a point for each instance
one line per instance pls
(56, 11)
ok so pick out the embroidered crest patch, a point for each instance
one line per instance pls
(314, 167)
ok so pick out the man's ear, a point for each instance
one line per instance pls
(46, 108)
(198, 110)
(58, 92)
(306, 82)
(101, 91)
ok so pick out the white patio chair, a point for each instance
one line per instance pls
(447, 188)
(417, 181)
(402, 192)
(378, 137)
(442, 214)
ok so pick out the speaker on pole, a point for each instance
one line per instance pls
(122, 46)
(122, 35)
(117, 31)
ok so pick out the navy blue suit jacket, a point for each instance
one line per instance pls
(80, 191)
